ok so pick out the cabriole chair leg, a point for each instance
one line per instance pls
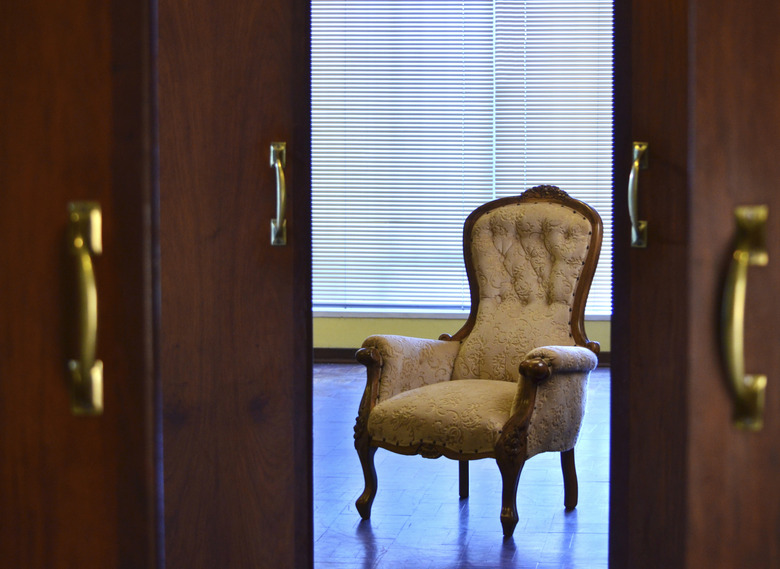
(510, 476)
(366, 454)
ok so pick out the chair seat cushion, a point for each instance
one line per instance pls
(465, 416)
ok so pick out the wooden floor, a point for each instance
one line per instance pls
(419, 522)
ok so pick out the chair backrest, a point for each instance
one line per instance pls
(530, 261)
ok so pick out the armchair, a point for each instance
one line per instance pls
(511, 383)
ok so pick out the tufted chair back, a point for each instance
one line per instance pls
(525, 259)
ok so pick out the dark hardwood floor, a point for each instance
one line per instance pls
(419, 522)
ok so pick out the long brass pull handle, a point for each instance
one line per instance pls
(749, 249)
(638, 228)
(86, 372)
(278, 162)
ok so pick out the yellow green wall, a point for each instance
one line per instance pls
(350, 332)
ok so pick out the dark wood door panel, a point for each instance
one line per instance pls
(77, 124)
(734, 497)
(236, 310)
(689, 489)
(649, 328)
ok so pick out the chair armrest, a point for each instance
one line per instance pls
(564, 359)
(407, 363)
(554, 381)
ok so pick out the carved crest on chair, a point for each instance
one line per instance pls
(427, 450)
(546, 192)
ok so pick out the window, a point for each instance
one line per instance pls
(422, 111)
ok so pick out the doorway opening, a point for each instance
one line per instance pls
(495, 108)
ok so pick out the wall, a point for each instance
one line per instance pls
(350, 332)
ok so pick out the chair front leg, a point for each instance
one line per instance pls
(366, 454)
(510, 457)
(371, 358)
(510, 476)
(512, 445)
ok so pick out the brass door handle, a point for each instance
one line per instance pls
(749, 249)
(279, 225)
(638, 228)
(86, 372)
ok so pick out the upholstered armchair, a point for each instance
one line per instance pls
(511, 383)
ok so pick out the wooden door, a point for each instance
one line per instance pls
(236, 310)
(76, 116)
(688, 488)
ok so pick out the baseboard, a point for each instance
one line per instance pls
(347, 356)
(335, 355)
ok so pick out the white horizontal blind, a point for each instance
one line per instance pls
(419, 115)
(554, 109)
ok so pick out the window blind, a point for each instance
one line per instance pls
(422, 111)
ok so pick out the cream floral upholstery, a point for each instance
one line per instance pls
(527, 262)
(411, 362)
(462, 416)
(512, 382)
(560, 401)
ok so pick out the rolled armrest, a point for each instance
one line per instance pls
(565, 359)
(408, 363)
(560, 375)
